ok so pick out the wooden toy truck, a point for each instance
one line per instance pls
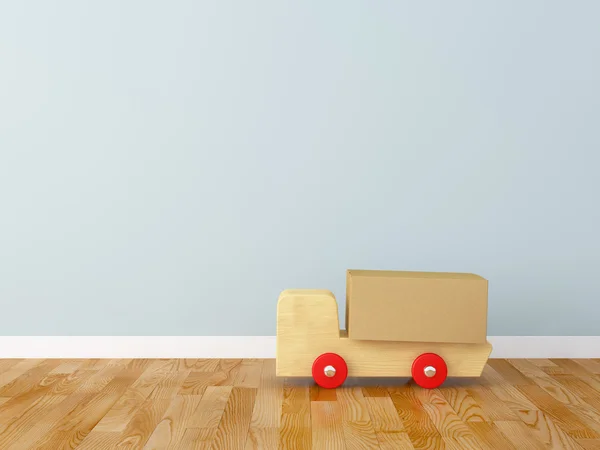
(426, 325)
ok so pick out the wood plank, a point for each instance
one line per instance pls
(445, 418)
(40, 418)
(168, 434)
(295, 432)
(169, 385)
(452, 444)
(69, 383)
(490, 436)
(589, 444)
(73, 427)
(512, 398)
(164, 365)
(573, 368)
(394, 440)
(144, 421)
(19, 425)
(564, 418)
(509, 372)
(588, 415)
(76, 412)
(356, 421)
(102, 377)
(490, 404)
(430, 442)
(229, 366)
(588, 406)
(594, 382)
(225, 375)
(18, 404)
(184, 365)
(142, 425)
(557, 390)
(547, 382)
(95, 364)
(201, 428)
(594, 402)
(262, 438)
(28, 380)
(266, 415)
(68, 366)
(375, 391)
(6, 364)
(383, 414)
(201, 365)
(197, 382)
(327, 429)
(546, 430)
(14, 371)
(505, 391)
(104, 440)
(233, 427)
(130, 402)
(249, 374)
(410, 410)
(198, 438)
(554, 370)
(138, 365)
(519, 435)
(531, 371)
(48, 410)
(387, 425)
(211, 407)
(464, 404)
(491, 377)
(318, 394)
(591, 365)
(418, 424)
(586, 388)
(540, 362)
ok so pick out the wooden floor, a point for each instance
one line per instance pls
(240, 404)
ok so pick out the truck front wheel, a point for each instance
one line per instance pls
(429, 370)
(329, 370)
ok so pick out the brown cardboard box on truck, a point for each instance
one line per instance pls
(416, 306)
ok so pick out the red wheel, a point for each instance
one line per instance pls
(429, 370)
(329, 370)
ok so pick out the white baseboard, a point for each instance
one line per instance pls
(253, 346)
(545, 346)
(137, 346)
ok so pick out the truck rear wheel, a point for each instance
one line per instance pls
(329, 370)
(429, 370)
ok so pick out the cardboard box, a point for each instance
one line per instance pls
(416, 306)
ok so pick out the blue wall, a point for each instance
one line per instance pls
(166, 168)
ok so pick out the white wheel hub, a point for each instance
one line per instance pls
(329, 371)
(429, 371)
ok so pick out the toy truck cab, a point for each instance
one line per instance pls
(421, 324)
